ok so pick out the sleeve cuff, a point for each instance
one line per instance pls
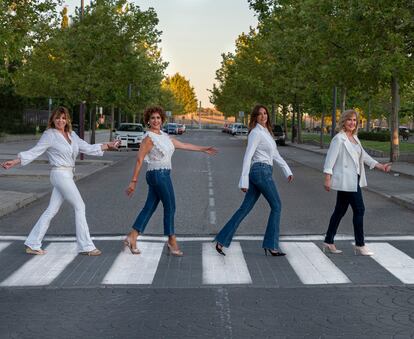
(244, 181)
(327, 171)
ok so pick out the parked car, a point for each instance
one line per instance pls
(226, 128)
(172, 128)
(181, 128)
(235, 127)
(279, 135)
(404, 132)
(130, 135)
(239, 129)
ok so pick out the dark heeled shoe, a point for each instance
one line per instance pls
(274, 253)
(219, 249)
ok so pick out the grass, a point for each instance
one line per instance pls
(383, 146)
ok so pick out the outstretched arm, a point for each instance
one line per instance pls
(10, 163)
(144, 149)
(190, 147)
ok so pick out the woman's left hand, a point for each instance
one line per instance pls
(210, 150)
(386, 167)
(113, 145)
(290, 178)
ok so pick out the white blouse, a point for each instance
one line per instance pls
(160, 155)
(59, 151)
(356, 155)
(261, 147)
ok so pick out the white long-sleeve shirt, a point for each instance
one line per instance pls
(59, 151)
(261, 147)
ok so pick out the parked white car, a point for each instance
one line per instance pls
(238, 128)
(130, 135)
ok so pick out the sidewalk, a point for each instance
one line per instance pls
(385, 188)
(21, 186)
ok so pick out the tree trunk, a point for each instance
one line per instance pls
(93, 125)
(112, 122)
(369, 116)
(343, 99)
(322, 128)
(333, 127)
(395, 105)
(299, 125)
(273, 117)
(284, 110)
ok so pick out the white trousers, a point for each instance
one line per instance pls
(64, 188)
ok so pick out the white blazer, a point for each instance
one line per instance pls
(341, 160)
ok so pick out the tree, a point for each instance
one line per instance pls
(183, 92)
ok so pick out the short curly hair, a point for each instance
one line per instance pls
(154, 109)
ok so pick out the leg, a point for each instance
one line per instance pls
(342, 203)
(225, 236)
(63, 181)
(148, 210)
(357, 204)
(268, 189)
(34, 240)
(165, 191)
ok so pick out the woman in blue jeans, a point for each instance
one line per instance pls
(157, 149)
(257, 179)
(345, 172)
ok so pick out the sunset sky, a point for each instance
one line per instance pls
(195, 34)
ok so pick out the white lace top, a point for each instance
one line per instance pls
(160, 155)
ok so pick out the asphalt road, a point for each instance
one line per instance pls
(178, 303)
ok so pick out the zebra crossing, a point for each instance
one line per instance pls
(243, 265)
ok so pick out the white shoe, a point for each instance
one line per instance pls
(331, 248)
(362, 250)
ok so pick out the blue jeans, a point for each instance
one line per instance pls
(343, 200)
(260, 182)
(160, 188)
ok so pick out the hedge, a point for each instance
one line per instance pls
(376, 136)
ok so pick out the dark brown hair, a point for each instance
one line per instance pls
(154, 109)
(253, 118)
(56, 114)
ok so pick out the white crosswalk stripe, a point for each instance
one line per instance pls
(229, 269)
(3, 245)
(395, 261)
(43, 269)
(311, 265)
(304, 258)
(135, 269)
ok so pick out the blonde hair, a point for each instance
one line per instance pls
(345, 116)
(56, 114)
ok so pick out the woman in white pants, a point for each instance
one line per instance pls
(62, 146)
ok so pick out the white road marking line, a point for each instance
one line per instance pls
(212, 202)
(229, 269)
(132, 269)
(41, 270)
(210, 184)
(4, 245)
(311, 265)
(394, 261)
(211, 191)
(213, 219)
(338, 237)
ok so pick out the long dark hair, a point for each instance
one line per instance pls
(253, 118)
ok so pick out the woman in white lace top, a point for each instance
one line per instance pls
(62, 146)
(157, 149)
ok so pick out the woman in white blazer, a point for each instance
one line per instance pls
(344, 172)
(62, 146)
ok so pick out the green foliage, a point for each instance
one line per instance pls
(185, 100)
(376, 136)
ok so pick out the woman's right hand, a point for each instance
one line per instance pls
(327, 183)
(10, 163)
(131, 188)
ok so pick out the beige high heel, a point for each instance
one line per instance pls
(362, 250)
(331, 248)
(175, 252)
(128, 243)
